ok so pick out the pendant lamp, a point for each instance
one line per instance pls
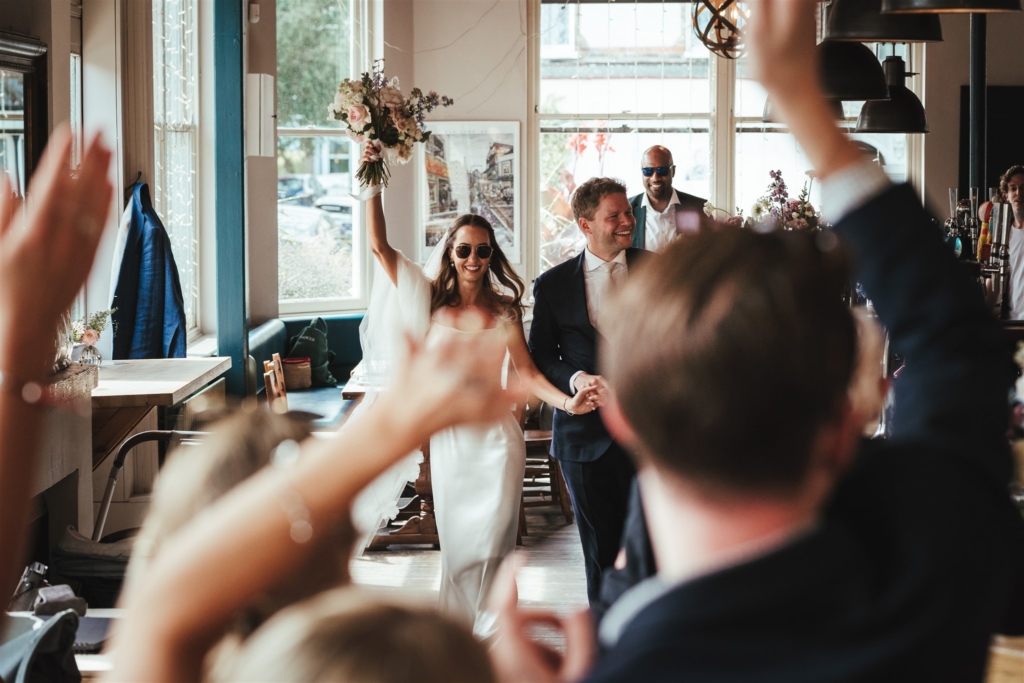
(901, 113)
(949, 6)
(719, 24)
(862, 21)
(768, 116)
(850, 71)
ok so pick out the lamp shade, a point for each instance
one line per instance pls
(949, 6)
(863, 21)
(768, 116)
(850, 71)
(901, 113)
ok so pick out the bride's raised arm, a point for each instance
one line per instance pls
(385, 253)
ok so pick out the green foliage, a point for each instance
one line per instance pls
(313, 55)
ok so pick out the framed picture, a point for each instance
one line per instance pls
(470, 167)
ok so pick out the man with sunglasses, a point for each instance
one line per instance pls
(655, 209)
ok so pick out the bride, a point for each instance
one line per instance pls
(477, 470)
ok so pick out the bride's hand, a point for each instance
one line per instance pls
(585, 400)
(371, 152)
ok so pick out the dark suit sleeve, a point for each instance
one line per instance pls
(953, 390)
(639, 557)
(545, 340)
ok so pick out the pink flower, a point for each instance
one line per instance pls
(90, 337)
(358, 115)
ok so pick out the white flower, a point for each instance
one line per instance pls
(759, 211)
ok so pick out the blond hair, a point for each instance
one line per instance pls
(352, 635)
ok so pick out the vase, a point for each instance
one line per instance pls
(90, 356)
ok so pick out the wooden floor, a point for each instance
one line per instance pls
(552, 577)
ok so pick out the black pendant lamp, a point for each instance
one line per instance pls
(850, 71)
(901, 113)
(862, 21)
(768, 116)
(949, 6)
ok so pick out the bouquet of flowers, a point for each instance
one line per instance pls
(792, 214)
(87, 330)
(375, 110)
(776, 207)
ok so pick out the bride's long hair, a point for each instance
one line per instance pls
(444, 290)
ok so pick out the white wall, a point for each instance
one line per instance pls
(948, 68)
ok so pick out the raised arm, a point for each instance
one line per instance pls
(274, 518)
(384, 252)
(46, 253)
(534, 382)
(953, 391)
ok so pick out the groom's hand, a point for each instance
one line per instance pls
(586, 382)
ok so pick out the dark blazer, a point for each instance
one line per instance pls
(150, 318)
(888, 586)
(687, 202)
(562, 342)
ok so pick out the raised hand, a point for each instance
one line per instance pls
(516, 656)
(47, 249)
(452, 383)
(781, 36)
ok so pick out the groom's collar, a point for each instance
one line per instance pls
(592, 262)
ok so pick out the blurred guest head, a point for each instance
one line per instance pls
(732, 358)
(350, 635)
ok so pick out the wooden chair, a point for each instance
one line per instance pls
(277, 400)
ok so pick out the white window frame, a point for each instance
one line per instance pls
(722, 120)
(361, 265)
(194, 130)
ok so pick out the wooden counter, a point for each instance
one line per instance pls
(148, 383)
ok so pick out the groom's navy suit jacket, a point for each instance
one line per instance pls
(563, 342)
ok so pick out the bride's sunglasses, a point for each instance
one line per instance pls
(482, 250)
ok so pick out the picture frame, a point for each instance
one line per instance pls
(470, 167)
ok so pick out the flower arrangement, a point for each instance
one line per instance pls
(375, 110)
(776, 207)
(87, 330)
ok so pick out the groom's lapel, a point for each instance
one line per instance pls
(578, 292)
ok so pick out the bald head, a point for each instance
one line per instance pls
(658, 185)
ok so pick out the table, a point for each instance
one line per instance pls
(418, 525)
(126, 400)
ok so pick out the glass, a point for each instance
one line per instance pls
(176, 139)
(572, 152)
(974, 194)
(663, 171)
(306, 84)
(12, 128)
(954, 201)
(761, 151)
(76, 110)
(620, 59)
(482, 251)
(316, 218)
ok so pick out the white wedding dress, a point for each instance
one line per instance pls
(476, 471)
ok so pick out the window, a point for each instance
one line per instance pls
(319, 241)
(618, 77)
(176, 138)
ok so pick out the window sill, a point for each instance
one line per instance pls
(204, 346)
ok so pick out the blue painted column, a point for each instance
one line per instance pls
(229, 165)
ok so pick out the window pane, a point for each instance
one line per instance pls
(175, 108)
(571, 155)
(76, 110)
(624, 58)
(316, 217)
(12, 128)
(759, 152)
(314, 53)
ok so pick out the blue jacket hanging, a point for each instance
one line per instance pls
(150, 318)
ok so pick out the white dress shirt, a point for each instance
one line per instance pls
(598, 276)
(661, 226)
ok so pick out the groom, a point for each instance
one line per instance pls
(563, 341)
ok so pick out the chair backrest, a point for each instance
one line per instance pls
(279, 371)
(276, 400)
